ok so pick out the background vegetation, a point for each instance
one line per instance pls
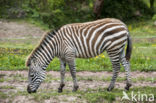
(56, 13)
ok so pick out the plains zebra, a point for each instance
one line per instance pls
(81, 40)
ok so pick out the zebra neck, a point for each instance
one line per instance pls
(47, 50)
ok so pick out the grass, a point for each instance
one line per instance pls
(13, 54)
(7, 87)
(98, 95)
(50, 78)
(3, 95)
(143, 59)
(142, 29)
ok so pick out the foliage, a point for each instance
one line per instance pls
(56, 13)
(125, 9)
(154, 17)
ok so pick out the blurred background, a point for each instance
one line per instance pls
(54, 13)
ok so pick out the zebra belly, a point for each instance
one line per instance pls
(84, 54)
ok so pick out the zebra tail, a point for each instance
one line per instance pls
(129, 48)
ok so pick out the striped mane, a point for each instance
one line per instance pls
(51, 34)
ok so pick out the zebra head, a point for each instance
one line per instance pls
(35, 76)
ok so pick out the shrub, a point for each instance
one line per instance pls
(154, 18)
(124, 9)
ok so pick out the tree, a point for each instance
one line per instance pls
(98, 5)
(152, 4)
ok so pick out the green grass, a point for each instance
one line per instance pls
(143, 59)
(7, 87)
(142, 29)
(3, 95)
(13, 54)
(98, 95)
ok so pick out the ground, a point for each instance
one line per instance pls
(92, 85)
(14, 83)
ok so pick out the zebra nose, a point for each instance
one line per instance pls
(28, 89)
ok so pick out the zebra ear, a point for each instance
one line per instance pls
(29, 61)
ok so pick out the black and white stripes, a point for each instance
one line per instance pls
(83, 40)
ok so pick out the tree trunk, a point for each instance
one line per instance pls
(98, 4)
(152, 4)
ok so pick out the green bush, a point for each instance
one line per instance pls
(56, 13)
(125, 9)
(154, 17)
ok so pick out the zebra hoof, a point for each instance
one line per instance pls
(128, 86)
(60, 90)
(75, 88)
(110, 89)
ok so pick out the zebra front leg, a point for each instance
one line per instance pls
(116, 69)
(73, 74)
(62, 72)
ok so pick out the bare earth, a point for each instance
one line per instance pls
(9, 29)
(18, 80)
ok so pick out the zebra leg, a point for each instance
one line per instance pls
(126, 66)
(62, 72)
(116, 68)
(72, 68)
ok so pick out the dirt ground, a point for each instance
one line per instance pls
(10, 29)
(17, 80)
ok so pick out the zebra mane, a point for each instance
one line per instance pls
(51, 34)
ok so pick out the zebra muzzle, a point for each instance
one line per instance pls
(29, 90)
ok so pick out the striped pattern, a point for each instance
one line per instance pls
(83, 40)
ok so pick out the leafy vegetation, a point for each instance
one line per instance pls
(54, 13)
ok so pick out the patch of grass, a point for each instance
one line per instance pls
(7, 87)
(3, 95)
(41, 96)
(142, 29)
(18, 77)
(99, 97)
(2, 79)
(12, 62)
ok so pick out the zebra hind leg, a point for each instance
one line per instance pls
(62, 72)
(126, 66)
(116, 68)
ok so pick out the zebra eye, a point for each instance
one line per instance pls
(31, 74)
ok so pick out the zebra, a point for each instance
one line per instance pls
(81, 40)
